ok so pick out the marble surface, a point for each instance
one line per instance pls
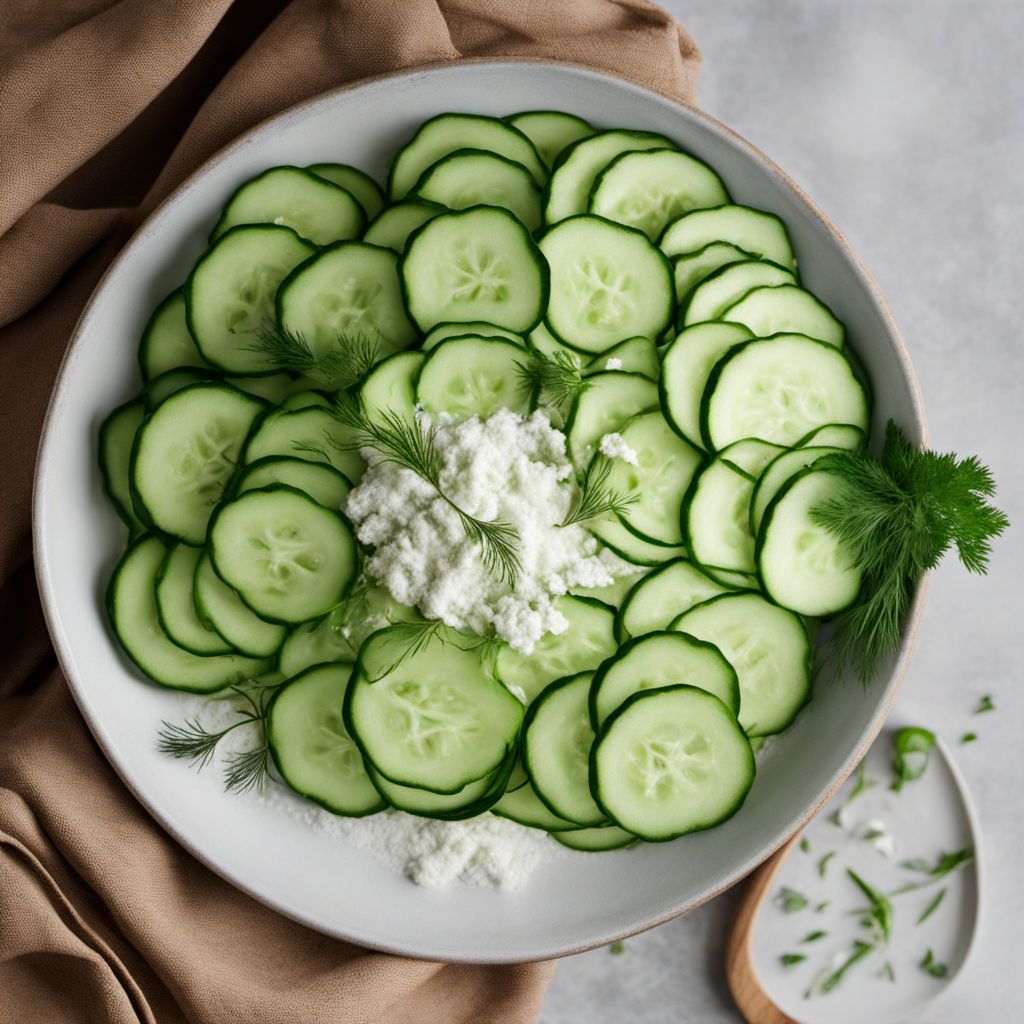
(905, 122)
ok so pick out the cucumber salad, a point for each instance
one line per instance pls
(490, 491)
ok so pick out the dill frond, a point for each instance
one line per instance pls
(594, 497)
(554, 381)
(342, 364)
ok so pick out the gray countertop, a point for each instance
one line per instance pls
(904, 121)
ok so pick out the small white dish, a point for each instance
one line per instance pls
(573, 903)
(930, 816)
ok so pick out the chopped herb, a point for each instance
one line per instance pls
(791, 959)
(594, 498)
(790, 900)
(832, 981)
(805, 845)
(888, 971)
(340, 364)
(898, 514)
(617, 948)
(821, 907)
(944, 865)
(968, 737)
(552, 381)
(933, 906)
(823, 863)
(879, 914)
(932, 966)
(910, 756)
(985, 704)
(813, 936)
(860, 786)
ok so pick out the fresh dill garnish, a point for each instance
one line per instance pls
(412, 445)
(860, 786)
(821, 907)
(792, 959)
(897, 515)
(790, 900)
(823, 863)
(968, 737)
(594, 497)
(878, 915)
(932, 966)
(553, 381)
(341, 364)
(945, 864)
(888, 971)
(243, 770)
(310, 448)
(985, 704)
(933, 906)
(911, 749)
(805, 844)
(832, 980)
(617, 948)
(814, 936)
(403, 641)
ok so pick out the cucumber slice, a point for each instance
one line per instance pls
(471, 177)
(665, 465)
(596, 840)
(786, 308)
(775, 476)
(691, 268)
(222, 609)
(131, 604)
(648, 189)
(524, 807)
(662, 596)
(274, 388)
(751, 456)
(359, 184)
(557, 738)
(770, 650)
(725, 287)
(346, 289)
(628, 546)
(550, 131)
(544, 342)
(391, 386)
(670, 762)
(159, 389)
(608, 282)
(479, 264)
(779, 388)
(732, 581)
(305, 399)
(571, 183)
(609, 401)
(289, 558)
(802, 566)
(321, 482)
(685, 368)
(756, 232)
(447, 133)
(716, 517)
(314, 208)
(176, 607)
(312, 434)
(429, 715)
(230, 293)
(473, 377)
(473, 799)
(311, 747)
(166, 343)
(477, 328)
(838, 435)
(663, 658)
(117, 435)
(616, 592)
(581, 648)
(634, 355)
(185, 455)
(394, 225)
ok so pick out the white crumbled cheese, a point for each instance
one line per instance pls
(875, 832)
(507, 467)
(614, 446)
(613, 364)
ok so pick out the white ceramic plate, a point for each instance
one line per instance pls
(569, 904)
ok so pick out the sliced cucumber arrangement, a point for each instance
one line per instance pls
(597, 289)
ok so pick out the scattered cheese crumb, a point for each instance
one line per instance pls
(613, 364)
(614, 447)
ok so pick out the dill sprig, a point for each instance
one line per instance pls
(553, 381)
(406, 640)
(339, 365)
(193, 742)
(594, 497)
(898, 514)
(411, 444)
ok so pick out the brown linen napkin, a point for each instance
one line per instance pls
(106, 106)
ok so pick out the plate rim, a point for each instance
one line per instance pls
(299, 110)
